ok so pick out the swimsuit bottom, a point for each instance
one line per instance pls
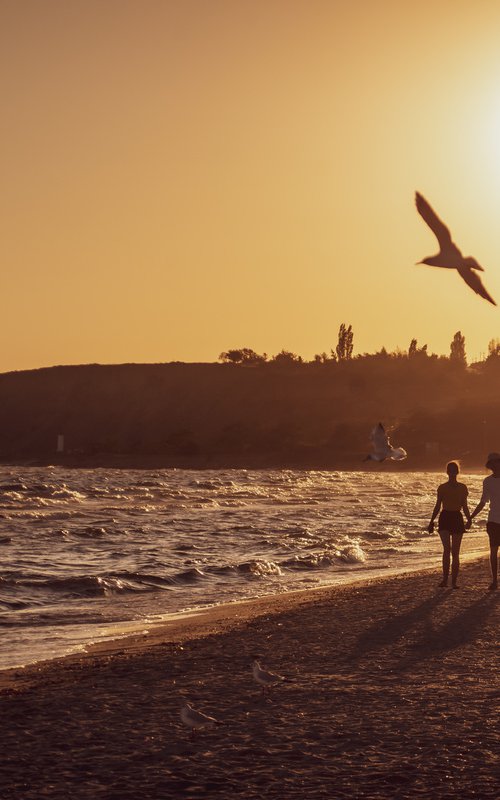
(451, 521)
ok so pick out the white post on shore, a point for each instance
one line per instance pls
(60, 443)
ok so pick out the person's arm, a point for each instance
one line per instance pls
(484, 499)
(478, 509)
(435, 512)
(466, 508)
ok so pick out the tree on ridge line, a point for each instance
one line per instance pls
(457, 349)
(243, 356)
(345, 343)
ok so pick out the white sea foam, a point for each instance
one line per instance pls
(353, 554)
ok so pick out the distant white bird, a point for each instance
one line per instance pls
(449, 255)
(265, 678)
(382, 448)
(196, 720)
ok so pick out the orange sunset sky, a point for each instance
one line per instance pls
(180, 178)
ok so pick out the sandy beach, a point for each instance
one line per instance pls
(393, 692)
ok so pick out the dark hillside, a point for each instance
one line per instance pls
(214, 414)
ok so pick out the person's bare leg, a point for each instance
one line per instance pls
(456, 541)
(445, 539)
(494, 565)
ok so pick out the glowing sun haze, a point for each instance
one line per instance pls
(180, 178)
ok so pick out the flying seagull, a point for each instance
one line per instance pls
(194, 719)
(449, 255)
(382, 448)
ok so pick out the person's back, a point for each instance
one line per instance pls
(491, 493)
(453, 495)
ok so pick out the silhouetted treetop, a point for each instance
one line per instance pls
(457, 349)
(343, 354)
(285, 357)
(493, 349)
(414, 351)
(345, 343)
(243, 356)
(324, 358)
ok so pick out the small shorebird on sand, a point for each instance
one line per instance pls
(449, 255)
(382, 448)
(196, 720)
(266, 679)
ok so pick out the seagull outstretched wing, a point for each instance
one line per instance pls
(473, 280)
(379, 438)
(431, 218)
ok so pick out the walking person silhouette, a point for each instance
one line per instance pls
(491, 495)
(452, 496)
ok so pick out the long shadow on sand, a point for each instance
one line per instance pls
(419, 632)
(460, 630)
(397, 627)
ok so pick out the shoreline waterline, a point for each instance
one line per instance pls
(155, 463)
(214, 619)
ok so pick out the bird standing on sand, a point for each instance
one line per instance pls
(382, 448)
(449, 255)
(195, 720)
(266, 679)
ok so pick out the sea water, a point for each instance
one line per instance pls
(91, 554)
